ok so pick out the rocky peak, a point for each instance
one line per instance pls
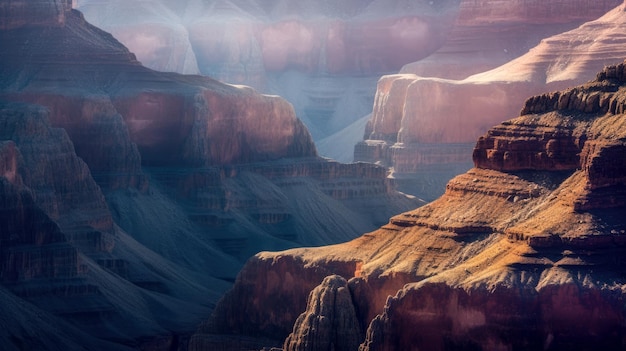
(329, 322)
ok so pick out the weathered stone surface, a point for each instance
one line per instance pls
(87, 237)
(329, 322)
(487, 34)
(61, 182)
(438, 101)
(554, 317)
(513, 255)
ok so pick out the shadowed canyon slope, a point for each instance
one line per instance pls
(524, 251)
(428, 116)
(129, 198)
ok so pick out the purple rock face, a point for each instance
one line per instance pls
(15, 14)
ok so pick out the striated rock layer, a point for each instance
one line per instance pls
(129, 198)
(443, 112)
(522, 252)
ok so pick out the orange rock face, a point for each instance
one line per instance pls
(522, 251)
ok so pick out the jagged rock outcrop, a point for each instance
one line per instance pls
(521, 252)
(60, 248)
(329, 322)
(417, 120)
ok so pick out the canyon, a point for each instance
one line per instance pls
(523, 251)
(164, 211)
(316, 57)
(130, 198)
(323, 57)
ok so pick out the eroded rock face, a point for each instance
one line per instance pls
(329, 322)
(447, 110)
(44, 159)
(556, 317)
(129, 198)
(513, 255)
(487, 34)
(312, 54)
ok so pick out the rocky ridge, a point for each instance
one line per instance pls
(522, 251)
(330, 322)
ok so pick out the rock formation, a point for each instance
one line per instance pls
(43, 13)
(415, 127)
(522, 252)
(129, 198)
(329, 322)
(312, 54)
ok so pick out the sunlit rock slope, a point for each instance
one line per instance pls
(521, 252)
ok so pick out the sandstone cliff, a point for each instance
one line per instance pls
(430, 119)
(521, 252)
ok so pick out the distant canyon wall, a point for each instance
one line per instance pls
(429, 114)
(323, 57)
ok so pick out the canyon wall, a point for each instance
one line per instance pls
(522, 251)
(323, 57)
(429, 115)
(130, 198)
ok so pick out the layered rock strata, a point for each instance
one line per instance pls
(440, 110)
(522, 251)
(129, 198)
(487, 34)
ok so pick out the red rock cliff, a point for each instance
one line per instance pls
(522, 251)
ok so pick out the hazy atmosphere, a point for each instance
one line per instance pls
(276, 175)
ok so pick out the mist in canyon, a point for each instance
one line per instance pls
(296, 175)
